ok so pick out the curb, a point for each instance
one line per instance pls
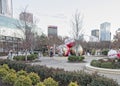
(102, 70)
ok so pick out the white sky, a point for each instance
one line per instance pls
(59, 13)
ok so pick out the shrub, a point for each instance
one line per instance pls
(5, 66)
(75, 58)
(73, 84)
(107, 65)
(23, 81)
(102, 81)
(34, 77)
(105, 51)
(50, 82)
(10, 78)
(61, 76)
(32, 57)
(40, 84)
(117, 65)
(21, 72)
(64, 78)
(96, 63)
(13, 64)
(12, 71)
(3, 72)
(19, 58)
(22, 58)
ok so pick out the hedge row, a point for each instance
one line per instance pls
(29, 57)
(10, 77)
(61, 76)
(76, 58)
(106, 63)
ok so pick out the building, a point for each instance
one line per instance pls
(93, 39)
(52, 31)
(81, 37)
(10, 35)
(95, 33)
(6, 8)
(105, 34)
(27, 17)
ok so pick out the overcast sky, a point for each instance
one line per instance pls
(59, 13)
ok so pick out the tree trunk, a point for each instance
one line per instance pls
(26, 55)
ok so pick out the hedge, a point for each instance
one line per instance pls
(75, 58)
(62, 77)
(29, 57)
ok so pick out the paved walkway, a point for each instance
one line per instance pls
(3, 57)
(61, 62)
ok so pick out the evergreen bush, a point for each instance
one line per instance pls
(21, 72)
(75, 58)
(23, 81)
(73, 84)
(50, 82)
(102, 81)
(96, 63)
(3, 72)
(61, 76)
(34, 77)
(40, 84)
(9, 78)
(107, 65)
(22, 58)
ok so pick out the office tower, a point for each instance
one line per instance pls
(6, 8)
(105, 34)
(52, 31)
(95, 33)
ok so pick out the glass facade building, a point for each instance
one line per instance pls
(10, 34)
(105, 34)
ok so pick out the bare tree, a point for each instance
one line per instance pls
(116, 42)
(77, 28)
(27, 29)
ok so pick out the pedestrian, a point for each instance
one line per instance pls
(51, 52)
(10, 55)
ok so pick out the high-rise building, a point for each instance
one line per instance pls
(6, 8)
(52, 31)
(25, 16)
(95, 33)
(105, 34)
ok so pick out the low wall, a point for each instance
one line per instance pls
(102, 70)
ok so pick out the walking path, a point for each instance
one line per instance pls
(3, 57)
